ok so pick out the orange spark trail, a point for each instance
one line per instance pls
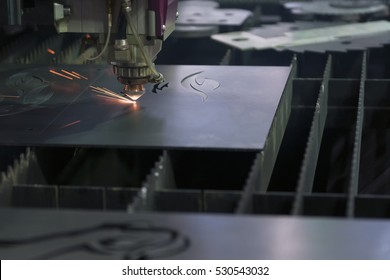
(51, 51)
(70, 124)
(108, 92)
(81, 76)
(70, 74)
(61, 75)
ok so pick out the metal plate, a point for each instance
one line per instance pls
(48, 235)
(216, 107)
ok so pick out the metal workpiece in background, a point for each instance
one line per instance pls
(304, 37)
(201, 19)
(209, 13)
(213, 107)
(341, 10)
(342, 44)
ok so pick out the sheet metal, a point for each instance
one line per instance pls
(110, 236)
(216, 107)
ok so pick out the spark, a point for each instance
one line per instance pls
(61, 75)
(70, 124)
(135, 106)
(109, 93)
(70, 74)
(79, 75)
(50, 51)
(105, 96)
(112, 98)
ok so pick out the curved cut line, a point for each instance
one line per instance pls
(201, 93)
(190, 76)
(202, 85)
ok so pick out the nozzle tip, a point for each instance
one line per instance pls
(134, 92)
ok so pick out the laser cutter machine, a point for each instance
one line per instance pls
(162, 129)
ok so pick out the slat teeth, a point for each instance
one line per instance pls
(261, 172)
(245, 204)
(310, 158)
(16, 174)
(354, 179)
(160, 177)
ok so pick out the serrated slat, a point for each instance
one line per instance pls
(261, 172)
(310, 158)
(354, 179)
(159, 178)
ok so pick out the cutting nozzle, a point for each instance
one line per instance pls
(134, 92)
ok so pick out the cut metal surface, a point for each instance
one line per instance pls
(208, 13)
(199, 19)
(281, 28)
(341, 9)
(318, 38)
(69, 234)
(342, 45)
(197, 107)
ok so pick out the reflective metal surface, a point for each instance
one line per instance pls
(216, 107)
(29, 234)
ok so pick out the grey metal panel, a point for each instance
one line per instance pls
(215, 107)
(208, 236)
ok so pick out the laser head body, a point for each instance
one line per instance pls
(135, 30)
(142, 25)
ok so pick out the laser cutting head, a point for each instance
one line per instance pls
(138, 28)
(142, 27)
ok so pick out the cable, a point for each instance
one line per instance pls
(109, 22)
(157, 75)
(107, 41)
